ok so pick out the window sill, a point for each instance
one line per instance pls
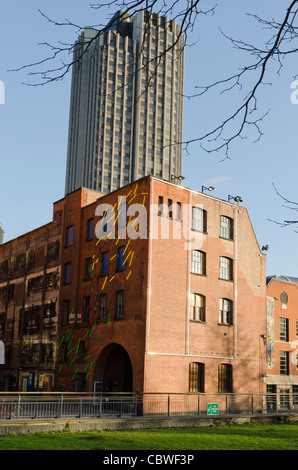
(197, 321)
(198, 274)
(199, 231)
(225, 324)
(227, 280)
(225, 238)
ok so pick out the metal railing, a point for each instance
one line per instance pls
(34, 405)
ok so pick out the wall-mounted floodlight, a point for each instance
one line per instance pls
(209, 188)
(235, 198)
(179, 178)
(265, 247)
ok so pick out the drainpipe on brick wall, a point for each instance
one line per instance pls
(235, 313)
(149, 265)
(188, 270)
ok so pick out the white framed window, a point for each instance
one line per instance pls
(197, 307)
(225, 311)
(199, 219)
(225, 268)
(198, 262)
(226, 227)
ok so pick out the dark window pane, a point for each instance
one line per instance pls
(105, 263)
(122, 215)
(85, 310)
(88, 269)
(90, 229)
(67, 273)
(121, 258)
(69, 236)
(225, 381)
(196, 377)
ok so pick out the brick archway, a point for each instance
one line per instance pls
(113, 368)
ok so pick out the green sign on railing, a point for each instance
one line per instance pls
(212, 409)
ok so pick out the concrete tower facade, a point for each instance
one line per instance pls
(126, 109)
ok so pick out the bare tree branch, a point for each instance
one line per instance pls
(244, 117)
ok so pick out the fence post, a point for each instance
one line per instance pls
(61, 405)
(252, 404)
(100, 407)
(198, 404)
(168, 405)
(227, 404)
(19, 404)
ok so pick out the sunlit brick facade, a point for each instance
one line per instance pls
(185, 313)
(161, 289)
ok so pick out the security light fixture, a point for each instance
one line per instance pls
(265, 247)
(180, 177)
(235, 198)
(210, 188)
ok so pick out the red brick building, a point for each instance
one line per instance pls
(29, 302)
(282, 339)
(162, 289)
(180, 310)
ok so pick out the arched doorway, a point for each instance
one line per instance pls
(113, 369)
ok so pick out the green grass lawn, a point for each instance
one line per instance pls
(232, 437)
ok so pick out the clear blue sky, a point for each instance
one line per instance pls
(34, 121)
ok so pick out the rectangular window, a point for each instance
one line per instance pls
(103, 307)
(122, 217)
(81, 351)
(105, 263)
(69, 236)
(62, 352)
(225, 268)
(297, 328)
(284, 363)
(198, 262)
(295, 396)
(90, 229)
(226, 227)
(120, 304)
(225, 311)
(88, 269)
(199, 219)
(67, 273)
(225, 379)
(160, 205)
(85, 309)
(196, 377)
(284, 329)
(79, 383)
(285, 398)
(178, 211)
(197, 307)
(65, 312)
(170, 208)
(121, 258)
